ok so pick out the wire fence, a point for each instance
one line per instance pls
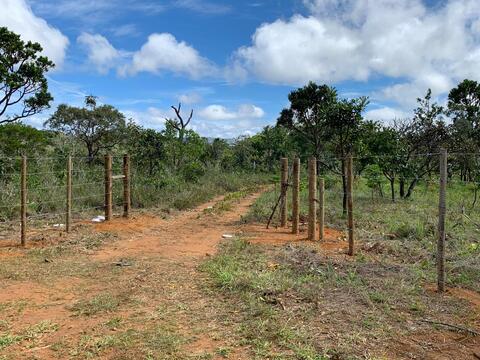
(398, 209)
(47, 188)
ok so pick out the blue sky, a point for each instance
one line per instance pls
(234, 62)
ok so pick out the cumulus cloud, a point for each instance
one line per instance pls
(359, 39)
(100, 52)
(210, 121)
(220, 112)
(190, 98)
(18, 17)
(162, 52)
(385, 114)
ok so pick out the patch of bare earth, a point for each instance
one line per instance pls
(141, 298)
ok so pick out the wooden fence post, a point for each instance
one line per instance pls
(23, 202)
(351, 240)
(108, 187)
(321, 209)
(68, 211)
(126, 185)
(312, 201)
(283, 189)
(296, 196)
(442, 209)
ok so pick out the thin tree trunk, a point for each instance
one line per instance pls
(410, 188)
(402, 188)
(392, 188)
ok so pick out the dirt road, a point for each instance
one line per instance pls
(136, 296)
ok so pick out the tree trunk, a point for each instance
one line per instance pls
(91, 154)
(392, 188)
(410, 188)
(402, 188)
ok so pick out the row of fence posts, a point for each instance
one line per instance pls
(315, 199)
(315, 215)
(108, 204)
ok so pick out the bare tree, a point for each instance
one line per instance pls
(179, 123)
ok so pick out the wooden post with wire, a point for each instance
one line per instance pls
(283, 189)
(312, 201)
(296, 196)
(23, 202)
(442, 209)
(351, 240)
(68, 212)
(321, 208)
(108, 187)
(126, 186)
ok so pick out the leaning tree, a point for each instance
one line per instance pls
(23, 86)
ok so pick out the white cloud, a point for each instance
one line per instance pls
(162, 52)
(358, 39)
(219, 112)
(100, 52)
(18, 17)
(190, 98)
(385, 114)
(245, 120)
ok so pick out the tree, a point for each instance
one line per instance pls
(98, 127)
(464, 109)
(23, 86)
(179, 124)
(343, 133)
(146, 146)
(383, 147)
(422, 137)
(308, 114)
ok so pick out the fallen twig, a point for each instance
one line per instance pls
(456, 327)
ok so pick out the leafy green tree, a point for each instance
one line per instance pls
(23, 86)
(374, 176)
(146, 146)
(99, 128)
(422, 138)
(309, 113)
(19, 139)
(464, 109)
(384, 148)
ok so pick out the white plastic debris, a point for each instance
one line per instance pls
(98, 219)
(227, 236)
(58, 225)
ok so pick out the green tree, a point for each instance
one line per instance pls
(422, 138)
(97, 127)
(146, 146)
(23, 86)
(464, 109)
(309, 112)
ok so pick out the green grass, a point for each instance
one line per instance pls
(102, 303)
(405, 229)
(287, 311)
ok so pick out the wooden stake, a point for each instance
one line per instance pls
(126, 186)
(296, 196)
(283, 189)
(68, 211)
(108, 187)
(23, 202)
(351, 240)
(442, 209)
(312, 203)
(321, 209)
